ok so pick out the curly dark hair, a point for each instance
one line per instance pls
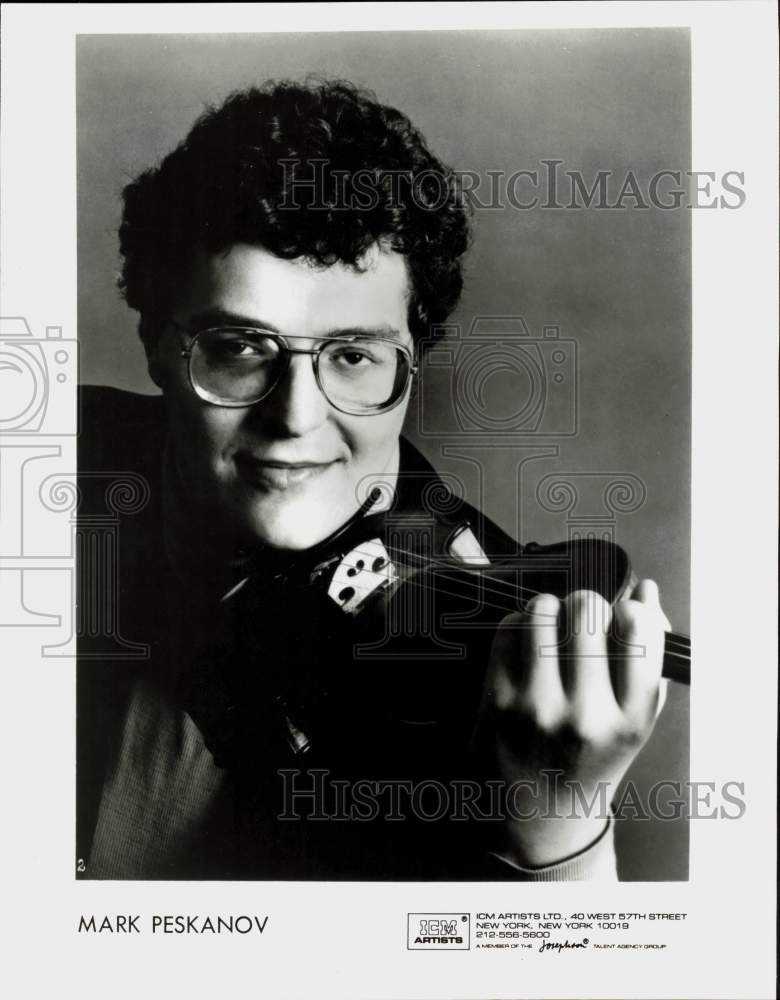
(271, 167)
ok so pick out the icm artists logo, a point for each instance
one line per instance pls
(438, 931)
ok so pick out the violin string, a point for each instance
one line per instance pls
(508, 591)
(668, 643)
(499, 586)
(680, 657)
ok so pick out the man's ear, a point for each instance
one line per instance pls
(154, 365)
(155, 369)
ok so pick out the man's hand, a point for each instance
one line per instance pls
(572, 690)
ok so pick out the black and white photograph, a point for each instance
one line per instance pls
(306, 683)
(376, 494)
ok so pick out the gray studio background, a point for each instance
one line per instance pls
(616, 283)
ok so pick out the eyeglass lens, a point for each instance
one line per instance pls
(238, 366)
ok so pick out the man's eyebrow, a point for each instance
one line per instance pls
(223, 317)
(385, 331)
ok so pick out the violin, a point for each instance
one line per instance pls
(421, 617)
(389, 621)
(370, 576)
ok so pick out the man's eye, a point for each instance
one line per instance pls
(236, 349)
(352, 358)
(359, 355)
(240, 348)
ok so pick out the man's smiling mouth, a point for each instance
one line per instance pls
(273, 474)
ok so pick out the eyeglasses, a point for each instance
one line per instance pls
(238, 366)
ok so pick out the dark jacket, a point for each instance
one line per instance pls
(373, 707)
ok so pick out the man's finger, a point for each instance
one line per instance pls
(542, 685)
(524, 674)
(584, 658)
(646, 592)
(637, 658)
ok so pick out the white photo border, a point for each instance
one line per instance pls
(349, 940)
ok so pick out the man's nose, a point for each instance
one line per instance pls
(296, 405)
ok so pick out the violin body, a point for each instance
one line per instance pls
(366, 635)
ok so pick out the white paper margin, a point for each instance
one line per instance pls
(348, 940)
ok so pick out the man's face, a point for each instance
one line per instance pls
(289, 470)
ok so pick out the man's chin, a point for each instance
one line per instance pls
(292, 533)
